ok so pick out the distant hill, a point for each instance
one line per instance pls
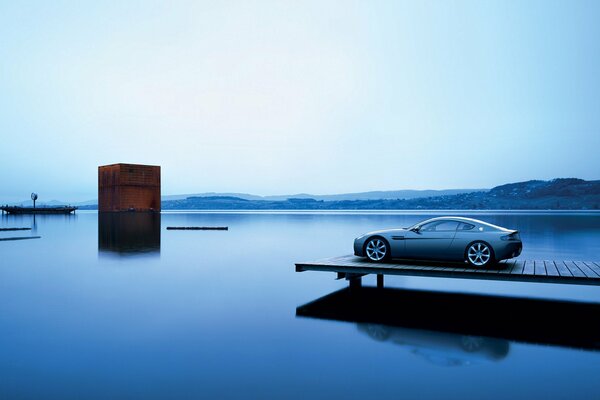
(557, 194)
(29, 203)
(375, 195)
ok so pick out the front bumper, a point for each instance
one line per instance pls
(359, 247)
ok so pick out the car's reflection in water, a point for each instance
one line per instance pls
(129, 233)
(447, 349)
(459, 329)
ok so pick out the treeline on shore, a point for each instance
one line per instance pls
(557, 194)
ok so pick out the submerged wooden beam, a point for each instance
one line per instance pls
(20, 238)
(197, 228)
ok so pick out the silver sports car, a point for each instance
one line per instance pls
(444, 238)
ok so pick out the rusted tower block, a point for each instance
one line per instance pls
(128, 187)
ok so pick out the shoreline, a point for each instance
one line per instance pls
(370, 212)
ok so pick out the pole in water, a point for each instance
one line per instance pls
(34, 197)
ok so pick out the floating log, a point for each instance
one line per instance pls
(14, 229)
(197, 228)
(20, 238)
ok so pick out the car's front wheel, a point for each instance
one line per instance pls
(480, 254)
(377, 249)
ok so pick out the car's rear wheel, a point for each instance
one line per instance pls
(480, 254)
(377, 249)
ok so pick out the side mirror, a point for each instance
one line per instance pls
(416, 230)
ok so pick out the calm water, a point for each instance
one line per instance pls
(113, 308)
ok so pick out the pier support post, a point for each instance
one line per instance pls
(379, 281)
(355, 282)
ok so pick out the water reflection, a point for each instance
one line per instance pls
(459, 329)
(129, 233)
(440, 348)
(31, 220)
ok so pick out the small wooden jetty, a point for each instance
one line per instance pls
(353, 268)
(38, 210)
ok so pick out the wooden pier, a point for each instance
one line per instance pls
(38, 210)
(353, 268)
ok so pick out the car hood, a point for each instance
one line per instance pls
(384, 231)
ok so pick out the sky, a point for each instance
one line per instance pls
(277, 97)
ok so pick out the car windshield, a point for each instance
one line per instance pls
(418, 225)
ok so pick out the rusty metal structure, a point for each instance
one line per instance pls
(128, 187)
(129, 233)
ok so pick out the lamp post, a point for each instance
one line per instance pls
(34, 197)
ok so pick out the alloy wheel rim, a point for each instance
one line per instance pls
(479, 254)
(376, 250)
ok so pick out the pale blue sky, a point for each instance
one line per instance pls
(285, 97)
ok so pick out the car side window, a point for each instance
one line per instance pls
(465, 227)
(439, 226)
(446, 226)
(429, 227)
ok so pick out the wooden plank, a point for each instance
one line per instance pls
(551, 268)
(574, 269)
(340, 258)
(540, 268)
(586, 270)
(457, 268)
(494, 269)
(461, 269)
(593, 267)
(529, 268)
(510, 266)
(400, 266)
(518, 268)
(562, 269)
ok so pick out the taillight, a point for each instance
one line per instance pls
(512, 236)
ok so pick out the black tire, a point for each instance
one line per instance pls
(480, 254)
(377, 249)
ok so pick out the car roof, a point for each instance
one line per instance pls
(462, 219)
